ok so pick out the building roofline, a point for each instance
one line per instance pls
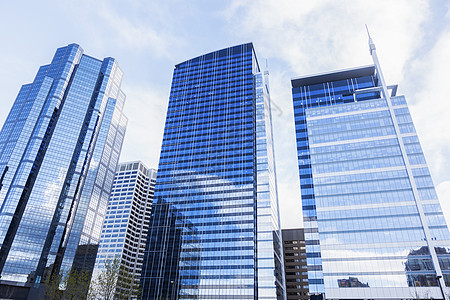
(155, 170)
(333, 76)
(292, 234)
(132, 162)
(250, 44)
(293, 229)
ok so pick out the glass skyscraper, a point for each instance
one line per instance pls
(126, 223)
(61, 143)
(214, 231)
(374, 227)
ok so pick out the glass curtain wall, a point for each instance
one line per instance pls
(68, 123)
(365, 227)
(214, 230)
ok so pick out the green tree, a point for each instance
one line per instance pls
(76, 285)
(69, 286)
(52, 287)
(105, 283)
(116, 282)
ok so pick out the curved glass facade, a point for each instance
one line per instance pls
(373, 224)
(214, 231)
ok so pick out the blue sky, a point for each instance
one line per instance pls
(296, 37)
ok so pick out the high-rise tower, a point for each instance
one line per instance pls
(374, 228)
(126, 223)
(61, 143)
(214, 231)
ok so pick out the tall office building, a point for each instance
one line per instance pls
(125, 228)
(61, 143)
(374, 227)
(295, 268)
(214, 231)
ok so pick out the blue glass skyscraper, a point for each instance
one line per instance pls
(214, 231)
(61, 143)
(374, 228)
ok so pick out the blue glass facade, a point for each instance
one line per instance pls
(61, 142)
(214, 231)
(374, 228)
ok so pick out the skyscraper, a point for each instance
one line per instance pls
(374, 227)
(125, 228)
(61, 143)
(214, 231)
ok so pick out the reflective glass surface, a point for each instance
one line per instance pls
(371, 213)
(214, 231)
(61, 158)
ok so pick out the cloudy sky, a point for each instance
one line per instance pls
(296, 38)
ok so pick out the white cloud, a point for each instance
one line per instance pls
(137, 34)
(297, 37)
(132, 27)
(145, 108)
(301, 38)
(318, 36)
(285, 150)
(430, 106)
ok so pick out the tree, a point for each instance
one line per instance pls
(105, 283)
(76, 284)
(71, 285)
(115, 282)
(52, 287)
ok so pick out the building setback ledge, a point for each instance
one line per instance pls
(333, 76)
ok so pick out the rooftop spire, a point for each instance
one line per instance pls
(379, 74)
(371, 44)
